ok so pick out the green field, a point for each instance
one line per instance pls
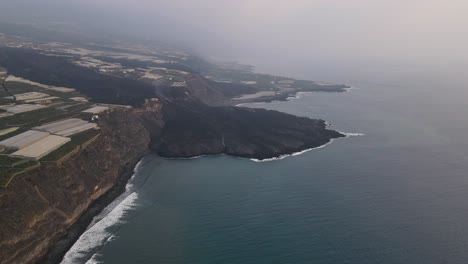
(76, 141)
(6, 161)
(19, 87)
(38, 117)
(14, 133)
(10, 166)
(32, 118)
(7, 131)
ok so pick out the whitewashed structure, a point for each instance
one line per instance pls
(41, 148)
(24, 139)
(21, 108)
(30, 96)
(96, 109)
(59, 126)
(77, 129)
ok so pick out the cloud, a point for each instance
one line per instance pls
(259, 30)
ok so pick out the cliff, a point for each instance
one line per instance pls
(38, 208)
(243, 132)
(43, 212)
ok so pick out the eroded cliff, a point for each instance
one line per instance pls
(194, 129)
(38, 208)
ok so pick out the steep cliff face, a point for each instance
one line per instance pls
(38, 208)
(195, 129)
(43, 211)
(215, 93)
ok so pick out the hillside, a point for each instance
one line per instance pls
(170, 102)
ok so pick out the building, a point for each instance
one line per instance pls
(41, 148)
(23, 140)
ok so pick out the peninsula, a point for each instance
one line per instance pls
(100, 107)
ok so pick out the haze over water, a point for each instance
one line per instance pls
(398, 194)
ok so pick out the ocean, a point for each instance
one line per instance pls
(396, 191)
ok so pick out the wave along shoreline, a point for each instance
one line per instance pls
(306, 150)
(97, 235)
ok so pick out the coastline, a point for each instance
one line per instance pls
(96, 234)
(309, 149)
(286, 96)
(56, 254)
(293, 154)
(79, 228)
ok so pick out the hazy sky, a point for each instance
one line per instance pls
(264, 31)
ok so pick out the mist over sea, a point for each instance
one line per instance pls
(397, 194)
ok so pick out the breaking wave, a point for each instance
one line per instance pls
(97, 234)
(292, 154)
(306, 150)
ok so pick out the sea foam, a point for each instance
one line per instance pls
(97, 233)
(352, 134)
(94, 259)
(292, 154)
(299, 95)
(306, 150)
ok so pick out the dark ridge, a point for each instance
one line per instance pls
(5, 88)
(131, 63)
(59, 71)
(233, 89)
(215, 93)
(196, 129)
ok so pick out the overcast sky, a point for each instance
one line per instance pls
(264, 31)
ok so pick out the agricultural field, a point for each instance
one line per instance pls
(7, 131)
(26, 105)
(61, 105)
(11, 167)
(76, 141)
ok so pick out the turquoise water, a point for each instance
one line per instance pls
(398, 194)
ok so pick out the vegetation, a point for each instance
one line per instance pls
(59, 71)
(6, 161)
(6, 174)
(32, 118)
(233, 89)
(38, 117)
(76, 140)
(78, 107)
(7, 131)
(10, 166)
(19, 87)
(131, 63)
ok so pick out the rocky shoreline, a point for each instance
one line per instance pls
(61, 247)
(218, 136)
(175, 127)
(46, 210)
(284, 95)
(237, 131)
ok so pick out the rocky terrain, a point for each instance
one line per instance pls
(244, 132)
(39, 208)
(44, 211)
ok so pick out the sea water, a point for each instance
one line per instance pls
(397, 193)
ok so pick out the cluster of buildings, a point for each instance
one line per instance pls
(179, 84)
(26, 102)
(19, 108)
(39, 141)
